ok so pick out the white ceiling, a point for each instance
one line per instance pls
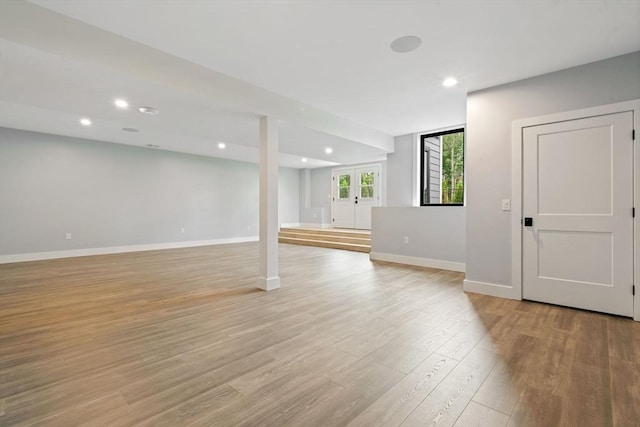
(318, 56)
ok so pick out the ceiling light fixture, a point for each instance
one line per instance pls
(85, 122)
(148, 110)
(328, 150)
(121, 103)
(450, 82)
(222, 145)
(304, 160)
(406, 44)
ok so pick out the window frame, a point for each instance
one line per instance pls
(422, 156)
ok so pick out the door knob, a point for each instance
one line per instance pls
(528, 222)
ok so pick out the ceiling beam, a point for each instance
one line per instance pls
(49, 31)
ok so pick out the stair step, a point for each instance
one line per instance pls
(326, 244)
(365, 240)
(329, 232)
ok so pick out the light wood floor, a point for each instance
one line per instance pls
(182, 337)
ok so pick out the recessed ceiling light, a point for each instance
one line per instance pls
(449, 82)
(328, 150)
(85, 122)
(149, 110)
(222, 145)
(406, 44)
(153, 146)
(304, 160)
(121, 103)
(132, 130)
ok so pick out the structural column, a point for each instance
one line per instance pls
(268, 278)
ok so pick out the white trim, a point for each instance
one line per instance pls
(39, 256)
(417, 261)
(314, 225)
(269, 284)
(289, 224)
(493, 289)
(415, 170)
(636, 220)
(305, 225)
(516, 184)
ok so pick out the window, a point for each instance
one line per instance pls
(442, 168)
(344, 186)
(366, 185)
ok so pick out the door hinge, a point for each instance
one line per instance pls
(333, 199)
(633, 212)
(333, 220)
(633, 290)
(633, 134)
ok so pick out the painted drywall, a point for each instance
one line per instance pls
(110, 195)
(400, 173)
(312, 215)
(315, 202)
(490, 114)
(320, 188)
(435, 235)
(288, 196)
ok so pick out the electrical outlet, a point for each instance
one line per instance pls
(67, 236)
(506, 204)
(406, 239)
(182, 230)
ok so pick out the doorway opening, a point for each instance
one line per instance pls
(354, 191)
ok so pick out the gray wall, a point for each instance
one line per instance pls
(117, 195)
(288, 196)
(321, 188)
(490, 114)
(434, 232)
(310, 214)
(400, 173)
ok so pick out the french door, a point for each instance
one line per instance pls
(354, 192)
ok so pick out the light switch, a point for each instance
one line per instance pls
(506, 204)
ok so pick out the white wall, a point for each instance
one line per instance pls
(436, 236)
(110, 195)
(400, 174)
(315, 206)
(288, 196)
(490, 114)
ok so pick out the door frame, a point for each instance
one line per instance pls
(354, 167)
(516, 187)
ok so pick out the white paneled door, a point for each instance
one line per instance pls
(577, 206)
(354, 192)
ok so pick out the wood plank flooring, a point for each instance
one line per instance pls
(183, 337)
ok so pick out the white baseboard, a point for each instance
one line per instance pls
(290, 224)
(313, 225)
(269, 284)
(417, 261)
(39, 256)
(492, 289)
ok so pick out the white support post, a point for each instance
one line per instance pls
(268, 278)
